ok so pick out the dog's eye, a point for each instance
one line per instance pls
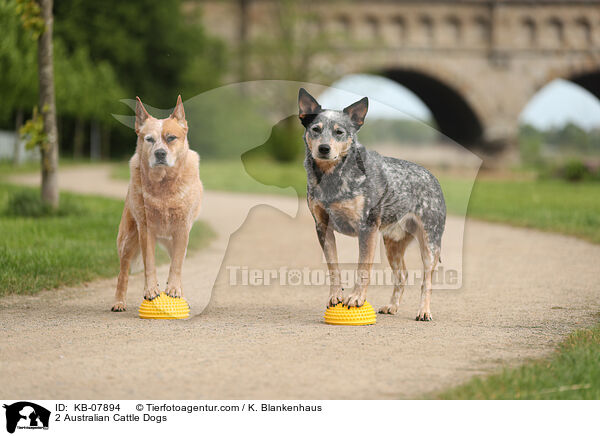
(339, 132)
(171, 138)
(150, 139)
(316, 129)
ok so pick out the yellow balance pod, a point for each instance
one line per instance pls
(342, 315)
(165, 307)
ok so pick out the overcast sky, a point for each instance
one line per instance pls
(559, 102)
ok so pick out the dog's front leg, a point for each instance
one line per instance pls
(367, 242)
(148, 245)
(178, 250)
(327, 241)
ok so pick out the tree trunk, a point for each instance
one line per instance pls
(94, 140)
(78, 138)
(17, 146)
(105, 149)
(48, 108)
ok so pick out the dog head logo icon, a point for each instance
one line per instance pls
(26, 415)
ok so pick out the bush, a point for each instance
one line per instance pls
(28, 203)
(286, 143)
(575, 171)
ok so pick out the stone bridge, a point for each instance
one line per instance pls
(474, 63)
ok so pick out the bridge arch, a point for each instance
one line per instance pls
(454, 115)
(581, 74)
(588, 80)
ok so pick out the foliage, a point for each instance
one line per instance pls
(572, 170)
(575, 171)
(33, 131)
(103, 52)
(573, 136)
(31, 17)
(568, 152)
(155, 51)
(18, 63)
(290, 49)
(85, 89)
(569, 137)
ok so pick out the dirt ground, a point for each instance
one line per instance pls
(523, 291)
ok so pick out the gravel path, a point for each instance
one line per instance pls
(523, 290)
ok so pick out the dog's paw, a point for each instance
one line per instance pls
(151, 293)
(424, 316)
(354, 300)
(335, 298)
(174, 291)
(389, 309)
(119, 306)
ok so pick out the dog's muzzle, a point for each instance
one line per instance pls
(324, 150)
(161, 157)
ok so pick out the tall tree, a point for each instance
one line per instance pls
(48, 108)
(36, 16)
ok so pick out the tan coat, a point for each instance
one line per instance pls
(162, 203)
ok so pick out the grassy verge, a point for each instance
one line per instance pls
(76, 244)
(572, 372)
(7, 168)
(551, 205)
(264, 177)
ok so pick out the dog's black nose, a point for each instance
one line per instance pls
(160, 154)
(324, 148)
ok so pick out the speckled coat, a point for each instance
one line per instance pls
(359, 193)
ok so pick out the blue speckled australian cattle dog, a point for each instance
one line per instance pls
(359, 193)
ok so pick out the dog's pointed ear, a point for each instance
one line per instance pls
(308, 107)
(179, 113)
(141, 115)
(358, 111)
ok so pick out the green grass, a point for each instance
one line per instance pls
(74, 245)
(265, 177)
(552, 205)
(572, 372)
(7, 168)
